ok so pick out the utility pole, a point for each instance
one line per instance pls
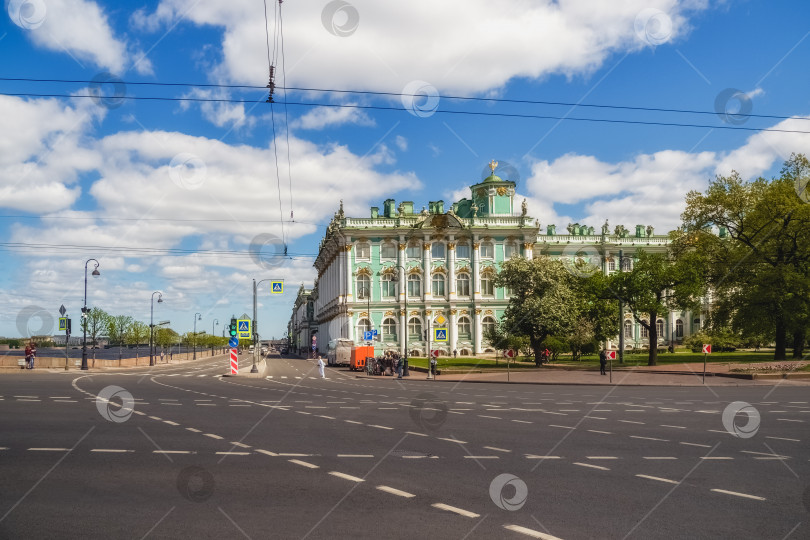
(621, 317)
(254, 369)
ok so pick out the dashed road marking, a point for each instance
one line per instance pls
(303, 463)
(380, 427)
(451, 440)
(591, 466)
(49, 449)
(212, 436)
(530, 532)
(496, 449)
(602, 432)
(783, 439)
(648, 438)
(659, 457)
(481, 457)
(455, 510)
(111, 450)
(695, 444)
(171, 451)
(194, 430)
(534, 456)
(631, 422)
(394, 491)
(346, 476)
(266, 452)
(658, 479)
(356, 455)
(233, 453)
(745, 495)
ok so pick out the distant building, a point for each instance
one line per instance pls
(404, 273)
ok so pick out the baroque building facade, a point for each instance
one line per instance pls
(404, 273)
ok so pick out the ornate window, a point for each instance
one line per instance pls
(644, 332)
(464, 328)
(463, 284)
(627, 264)
(389, 329)
(363, 325)
(611, 264)
(487, 250)
(363, 250)
(437, 250)
(414, 251)
(389, 286)
(414, 286)
(487, 284)
(659, 326)
(509, 249)
(679, 328)
(628, 329)
(487, 325)
(363, 287)
(414, 329)
(388, 251)
(463, 250)
(438, 285)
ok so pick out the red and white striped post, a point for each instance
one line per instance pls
(234, 362)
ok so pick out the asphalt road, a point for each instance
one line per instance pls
(289, 455)
(108, 354)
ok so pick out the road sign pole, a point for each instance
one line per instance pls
(254, 369)
(611, 369)
(704, 367)
(507, 369)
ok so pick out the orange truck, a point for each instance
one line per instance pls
(359, 354)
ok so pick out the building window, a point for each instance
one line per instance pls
(414, 286)
(363, 250)
(628, 329)
(363, 287)
(388, 251)
(389, 329)
(414, 329)
(659, 327)
(389, 286)
(414, 252)
(627, 265)
(438, 285)
(679, 329)
(644, 332)
(464, 328)
(363, 326)
(487, 326)
(611, 265)
(463, 250)
(509, 250)
(437, 250)
(487, 284)
(463, 284)
(487, 250)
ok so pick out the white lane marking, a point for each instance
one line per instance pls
(591, 466)
(533, 456)
(674, 427)
(331, 417)
(303, 412)
(111, 450)
(303, 463)
(170, 423)
(346, 476)
(788, 420)
(155, 418)
(522, 421)
(266, 452)
(451, 440)
(695, 444)
(601, 457)
(659, 457)
(206, 404)
(493, 417)
(171, 451)
(241, 445)
(719, 458)
(482, 457)
(294, 455)
(762, 453)
(394, 491)
(564, 427)
(212, 436)
(496, 449)
(602, 432)
(658, 479)
(739, 494)
(193, 430)
(420, 457)
(380, 427)
(783, 439)
(49, 449)
(631, 422)
(65, 401)
(459, 511)
(356, 455)
(718, 431)
(139, 413)
(353, 421)
(26, 396)
(595, 417)
(59, 397)
(648, 438)
(530, 532)
(413, 433)
(233, 453)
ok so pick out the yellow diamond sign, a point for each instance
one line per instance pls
(440, 319)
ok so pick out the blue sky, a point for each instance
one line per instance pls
(150, 188)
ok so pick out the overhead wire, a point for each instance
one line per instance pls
(271, 84)
(286, 116)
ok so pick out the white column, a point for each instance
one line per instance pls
(477, 330)
(528, 250)
(476, 268)
(451, 269)
(453, 331)
(349, 281)
(403, 326)
(426, 262)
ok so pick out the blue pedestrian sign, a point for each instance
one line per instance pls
(243, 328)
(277, 287)
(440, 334)
(233, 342)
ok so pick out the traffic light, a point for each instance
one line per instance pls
(232, 328)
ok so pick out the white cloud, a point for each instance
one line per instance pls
(322, 117)
(574, 37)
(401, 142)
(220, 113)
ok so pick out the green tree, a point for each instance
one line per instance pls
(94, 323)
(138, 334)
(544, 300)
(758, 267)
(166, 337)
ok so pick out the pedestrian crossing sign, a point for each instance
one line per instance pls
(243, 328)
(440, 334)
(63, 324)
(277, 287)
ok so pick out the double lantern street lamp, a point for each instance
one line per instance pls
(152, 326)
(85, 314)
(213, 324)
(197, 317)
(404, 284)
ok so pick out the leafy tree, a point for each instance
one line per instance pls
(166, 337)
(500, 339)
(544, 300)
(138, 334)
(117, 329)
(95, 323)
(758, 267)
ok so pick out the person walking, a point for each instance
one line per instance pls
(321, 367)
(602, 361)
(30, 354)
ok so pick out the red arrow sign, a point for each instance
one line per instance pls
(509, 353)
(435, 354)
(611, 355)
(707, 349)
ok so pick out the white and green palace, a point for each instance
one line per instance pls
(405, 273)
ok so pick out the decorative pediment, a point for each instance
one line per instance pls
(415, 313)
(414, 270)
(390, 314)
(463, 270)
(364, 271)
(440, 269)
(388, 270)
(441, 222)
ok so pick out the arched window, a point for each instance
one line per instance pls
(487, 284)
(414, 329)
(679, 328)
(487, 250)
(659, 328)
(487, 325)
(389, 286)
(388, 251)
(414, 251)
(363, 286)
(463, 284)
(644, 332)
(464, 328)
(509, 249)
(437, 250)
(627, 264)
(438, 285)
(363, 326)
(628, 329)
(611, 264)
(462, 250)
(414, 286)
(363, 250)
(389, 329)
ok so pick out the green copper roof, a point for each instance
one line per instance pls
(492, 178)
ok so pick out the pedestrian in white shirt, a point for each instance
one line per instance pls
(321, 367)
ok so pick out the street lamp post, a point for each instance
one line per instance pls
(152, 326)
(621, 312)
(256, 284)
(95, 273)
(197, 317)
(213, 324)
